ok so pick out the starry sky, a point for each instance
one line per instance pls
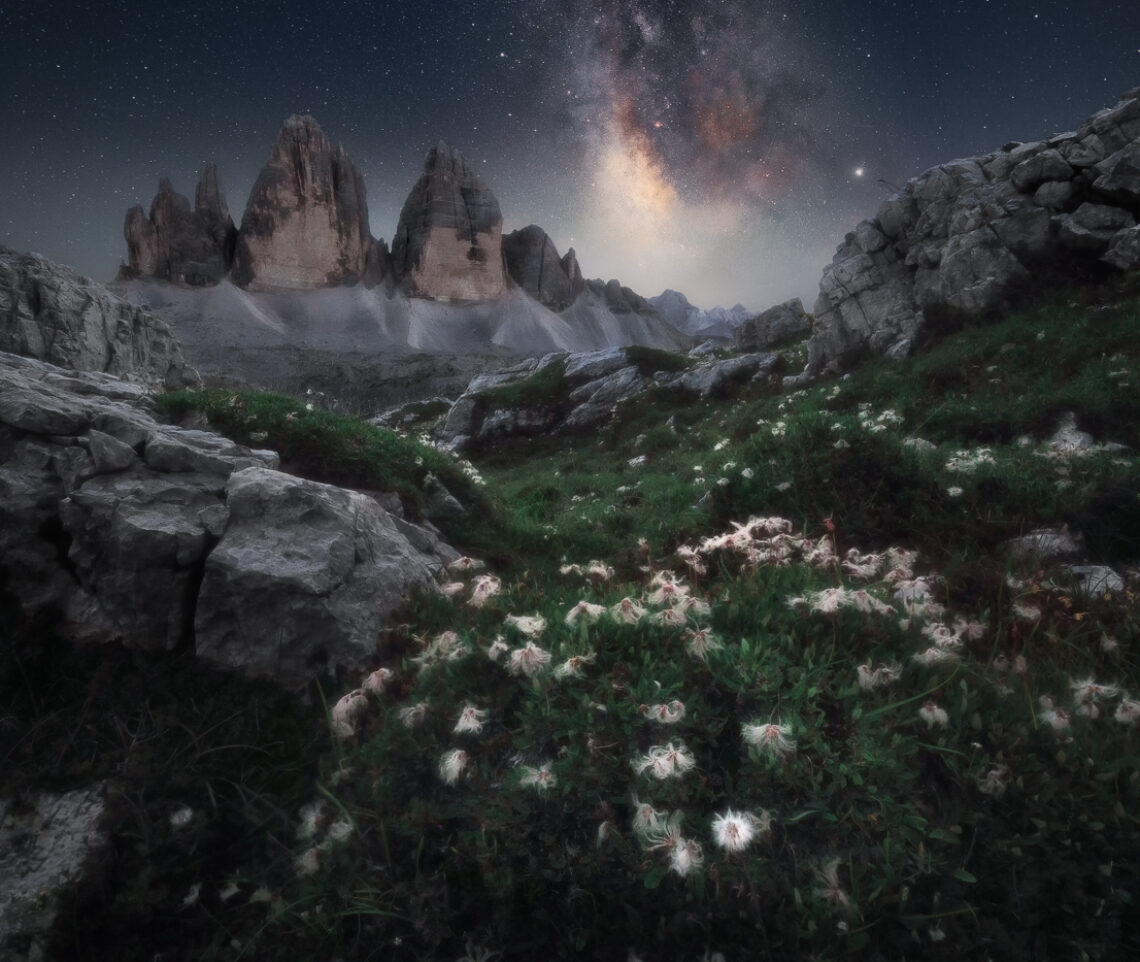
(717, 147)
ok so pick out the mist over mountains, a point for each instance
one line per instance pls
(303, 267)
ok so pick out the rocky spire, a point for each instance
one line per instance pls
(533, 263)
(176, 243)
(306, 222)
(448, 243)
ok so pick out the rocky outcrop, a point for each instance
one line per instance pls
(581, 391)
(534, 264)
(47, 842)
(178, 244)
(783, 324)
(124, 529)
(448, 244)
(964, 235)
(52, 313)
(306, 222)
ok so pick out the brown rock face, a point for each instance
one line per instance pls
(306, 222)
(178, 244)
(448, 244)
(533, 263)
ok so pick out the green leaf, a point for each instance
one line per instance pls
(653, 877)
(963, 876)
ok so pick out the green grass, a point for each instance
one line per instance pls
(326, 446)
(882, 841)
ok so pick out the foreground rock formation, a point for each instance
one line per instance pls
(125, 529)
(175, 243)
(52, 313)
(963, 235)
(448, 243)
(583, 392)
(306, 222)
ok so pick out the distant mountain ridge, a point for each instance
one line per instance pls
(305, 229)
(722, 322)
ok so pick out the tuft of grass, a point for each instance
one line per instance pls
(545, 389)
(650, 360)
(326, 446)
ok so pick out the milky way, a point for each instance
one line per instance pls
(710, 146)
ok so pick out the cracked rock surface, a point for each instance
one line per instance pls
(964, 234)
(124, 529)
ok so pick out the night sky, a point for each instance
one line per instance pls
(718, 147)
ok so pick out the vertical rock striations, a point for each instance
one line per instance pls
(178, 244)
(306, 222)
(533, 263)
(448, 244)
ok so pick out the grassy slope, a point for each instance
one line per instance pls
(882, 842)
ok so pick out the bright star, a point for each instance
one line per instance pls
(858, 171)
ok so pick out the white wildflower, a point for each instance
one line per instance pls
(541, 779)
(627, 612)
(694, 607)
(497, 649)
(665, 761)
(452, 764)
(181, 817)
(529, 660)
(671, 617)
(573, 666)
(831, 892)
(686, 857)
(935, 655)
(530, 625)
(340, 830)
(585, 610)
(735, 831)
(378, 680)
(700, 643)
(465, 563)
(413, 714)
(870, 679)
(1057, 719)
(668, 593)
(308, 863)
(452, 588)
(666, 714)
(1128, 711)
(484, 588)
(346, 713)
(993, 782)
(933, 715)
(770, 737)
(598, 571)
(471, 719)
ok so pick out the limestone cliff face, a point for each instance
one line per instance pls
(306, 222)
(50, 312)
(533, 263)
(448, 244)
(964, 235)
(180, 244)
